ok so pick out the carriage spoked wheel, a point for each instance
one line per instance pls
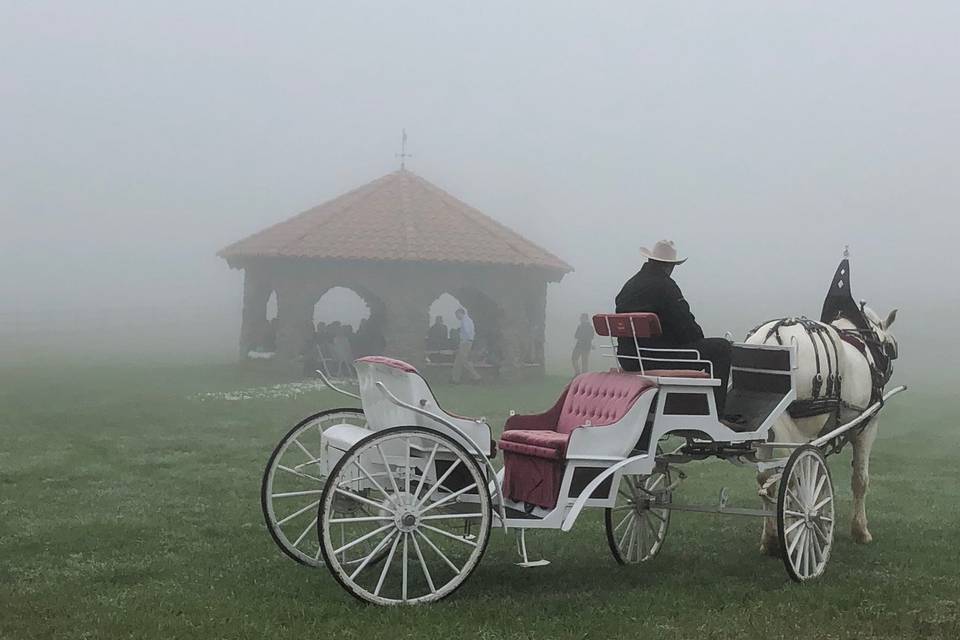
(432, 517)
(635, 526)
(293, 481)
(805, 513)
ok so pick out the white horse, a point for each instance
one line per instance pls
(834, 355)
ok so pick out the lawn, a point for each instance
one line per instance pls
(129, 508)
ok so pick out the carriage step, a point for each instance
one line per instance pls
(526, 562)
(532, 563)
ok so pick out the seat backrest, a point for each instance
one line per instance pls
(627, 325)
(405, 382)
(600, 399)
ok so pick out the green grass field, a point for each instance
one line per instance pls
(129, 508)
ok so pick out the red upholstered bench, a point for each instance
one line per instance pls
(534, 447)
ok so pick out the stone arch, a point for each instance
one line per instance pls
(445, 305)
(343, 305)
(353, 311)
(487, 315)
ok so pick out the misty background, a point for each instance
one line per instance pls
(137, 140)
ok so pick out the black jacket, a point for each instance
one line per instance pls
(654, 291)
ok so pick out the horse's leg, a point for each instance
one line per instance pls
(862, 444)
(785, 429)
(769, 542)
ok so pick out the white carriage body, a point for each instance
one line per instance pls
(601, 436)
(394, 394)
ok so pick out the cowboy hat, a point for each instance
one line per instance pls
(663, 251)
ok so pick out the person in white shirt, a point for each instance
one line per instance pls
(462, 360)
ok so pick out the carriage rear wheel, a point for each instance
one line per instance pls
(427, 507)
(805, 513)
(636, 527)
(293, 481)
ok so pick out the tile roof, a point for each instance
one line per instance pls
(399, 217)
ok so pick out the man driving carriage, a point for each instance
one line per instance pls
(652, 290)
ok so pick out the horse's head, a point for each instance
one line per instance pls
(882, 329)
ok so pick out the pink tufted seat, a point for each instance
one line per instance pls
(600, 399)
(534, 447)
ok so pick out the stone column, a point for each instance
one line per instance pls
(406, 293)
(294, 317)
(407, 320)
(253, 324)
(524, 315)
(538, 320)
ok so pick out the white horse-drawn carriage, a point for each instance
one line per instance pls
(398, 499)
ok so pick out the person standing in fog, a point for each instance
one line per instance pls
(462, 360)
(583, 345)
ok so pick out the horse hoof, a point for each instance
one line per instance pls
(770, 549)
(861, 536)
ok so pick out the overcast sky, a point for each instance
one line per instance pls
(137, 139)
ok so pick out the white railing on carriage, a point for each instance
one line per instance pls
(332, 386)
(698, 359)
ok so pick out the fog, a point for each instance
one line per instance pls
(137, 140)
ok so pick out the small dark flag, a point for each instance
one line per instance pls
(839, 302)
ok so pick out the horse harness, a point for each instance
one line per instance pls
(827, 383)
(878, 355)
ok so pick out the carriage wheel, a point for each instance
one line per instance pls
(432, 521)
(805, 513)
(293, 481)
(635, 526)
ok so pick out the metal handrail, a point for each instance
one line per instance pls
(327, 382)
(639, 358)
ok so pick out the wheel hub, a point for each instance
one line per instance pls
(407, 515)
(406, 520)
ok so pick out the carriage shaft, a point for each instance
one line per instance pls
(730, 511)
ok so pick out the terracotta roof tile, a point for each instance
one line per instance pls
(400, 217)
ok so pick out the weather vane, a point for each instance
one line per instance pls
(403, 155)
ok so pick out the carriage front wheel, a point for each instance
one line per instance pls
(635, 526)
(293, 481)
(805, 513)
(415, 495)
